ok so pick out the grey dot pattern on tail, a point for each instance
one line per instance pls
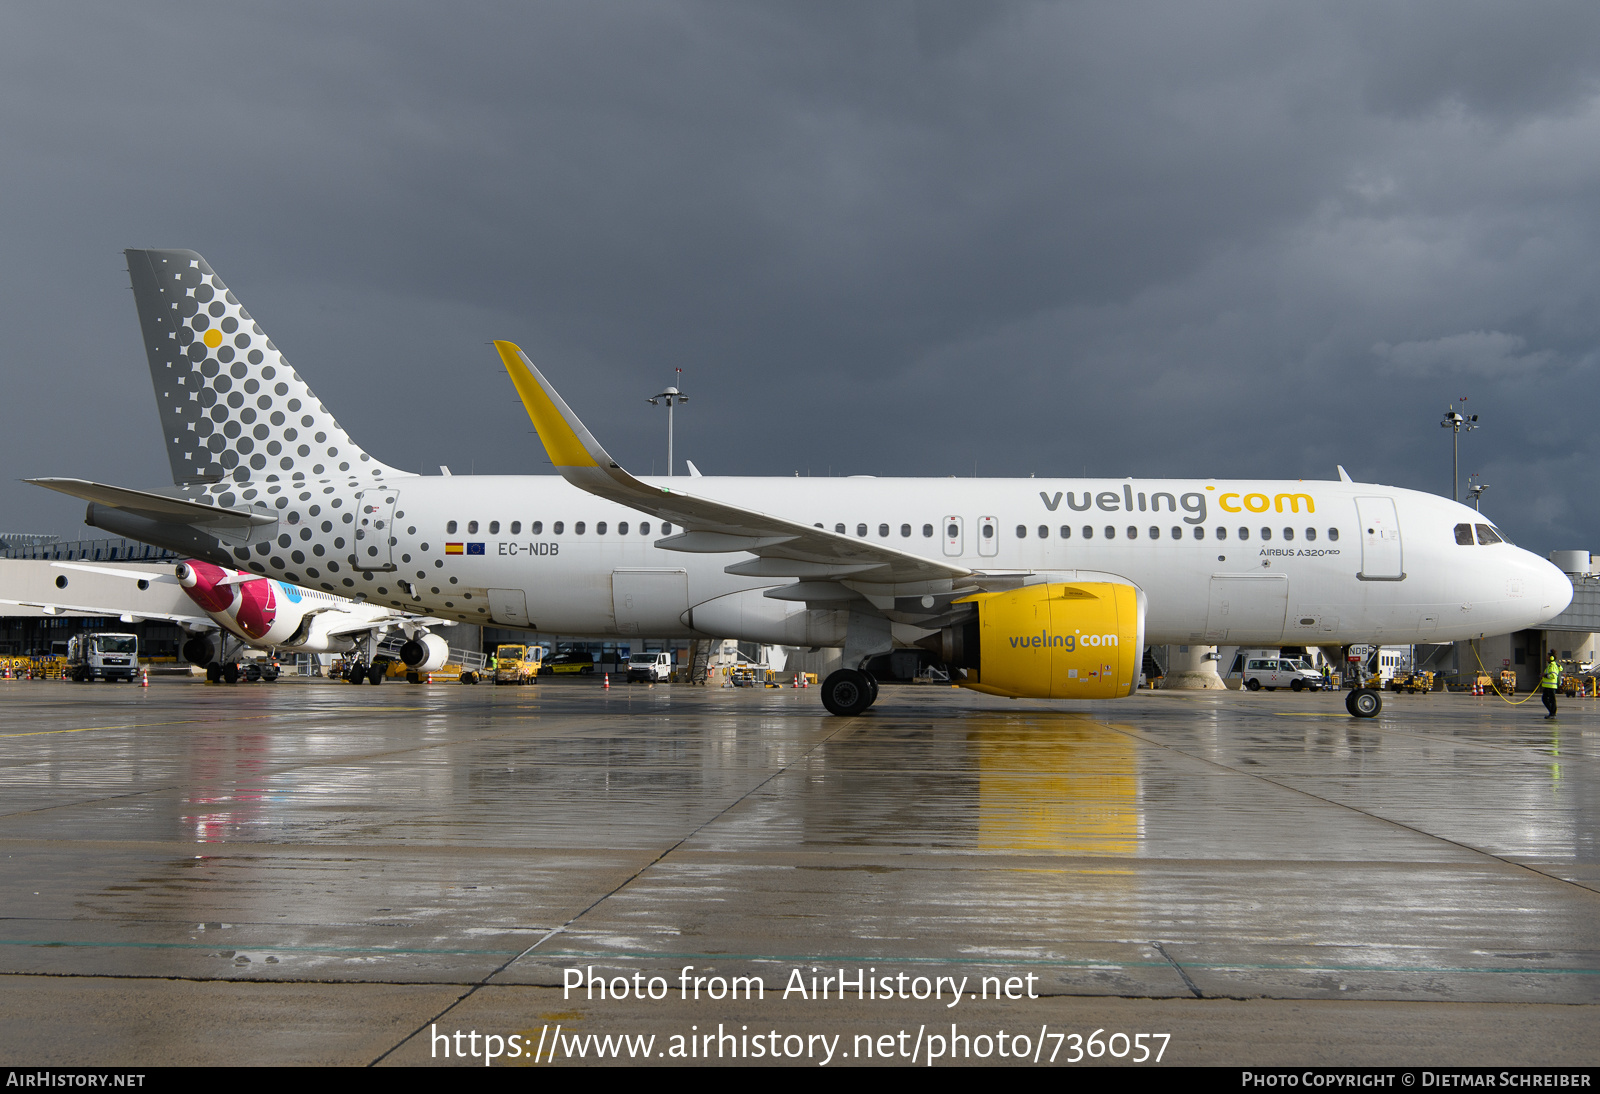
(231, 407)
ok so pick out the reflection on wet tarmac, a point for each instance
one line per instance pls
(1062, 783)
(1271, 845)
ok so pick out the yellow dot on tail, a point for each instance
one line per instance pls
(212, 338)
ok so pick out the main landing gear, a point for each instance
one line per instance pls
(849, 691)
(1363, 703)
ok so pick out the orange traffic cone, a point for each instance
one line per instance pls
(144, 679)
(607, 684)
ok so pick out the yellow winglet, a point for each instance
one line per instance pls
(552, 418)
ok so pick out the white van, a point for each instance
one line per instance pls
(1281, 672)
(654, 667)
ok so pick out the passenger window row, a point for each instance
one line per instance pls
(883, 530)
(1486, 535)
(1176, 532)
(1110, 532)
(536, 528)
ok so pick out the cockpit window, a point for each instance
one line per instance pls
(1464, 535)
(1487, 534)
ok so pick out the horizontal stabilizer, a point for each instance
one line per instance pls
(159, 507)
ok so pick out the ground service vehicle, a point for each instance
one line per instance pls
(655, 668)
(569, 662)
(102, 657)
(517, 664)
(1044, 588)
(1273, 673)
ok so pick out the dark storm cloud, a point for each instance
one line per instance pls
(895, 238)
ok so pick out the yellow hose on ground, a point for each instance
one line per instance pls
(1495, 687)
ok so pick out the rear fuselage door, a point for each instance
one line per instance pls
(954, 540)
(374, 535)
(1381, 558)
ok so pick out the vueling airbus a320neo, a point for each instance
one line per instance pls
(1047, 588)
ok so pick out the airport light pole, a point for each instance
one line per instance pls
(672, 395)
(1455, 421)
(1476, 489)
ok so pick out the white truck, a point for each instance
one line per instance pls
(103, 657)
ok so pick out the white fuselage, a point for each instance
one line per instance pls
(1245, 562)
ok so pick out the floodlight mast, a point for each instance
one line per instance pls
(1455, 421)
(1476, 489)
(672, 395)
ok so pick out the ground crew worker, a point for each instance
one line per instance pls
(1550, 681)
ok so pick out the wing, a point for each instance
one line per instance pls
(130, 573)
(783, 548)
(410, 624)
(188, 622)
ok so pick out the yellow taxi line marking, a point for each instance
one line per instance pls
(135, 725)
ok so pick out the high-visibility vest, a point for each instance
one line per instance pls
(1552, 675)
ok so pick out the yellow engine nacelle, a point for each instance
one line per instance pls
(1078, 640)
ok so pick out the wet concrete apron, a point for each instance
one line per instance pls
(317, 872)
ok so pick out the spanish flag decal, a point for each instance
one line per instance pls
(453, 549)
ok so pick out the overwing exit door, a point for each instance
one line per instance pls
(988, 536)
(954, 539)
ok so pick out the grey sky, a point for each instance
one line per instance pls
(900, 238)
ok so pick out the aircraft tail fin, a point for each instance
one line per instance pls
(231, 407)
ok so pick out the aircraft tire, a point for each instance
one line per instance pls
(375, 675)
(1363, 703)
(872, 683)
(1252, 685)
(214, 672)
(846, 692)
(230, 673)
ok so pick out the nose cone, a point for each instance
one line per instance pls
(1551, 586)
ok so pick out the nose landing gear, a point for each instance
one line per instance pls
(1363, 703)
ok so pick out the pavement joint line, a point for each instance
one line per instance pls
(1162, 950)
(1341, 1001)
(945, 962)
(402, 951)
(1142, 736)
(846, 723)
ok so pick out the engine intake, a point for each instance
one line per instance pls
(1078, 640)
(425, 653)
